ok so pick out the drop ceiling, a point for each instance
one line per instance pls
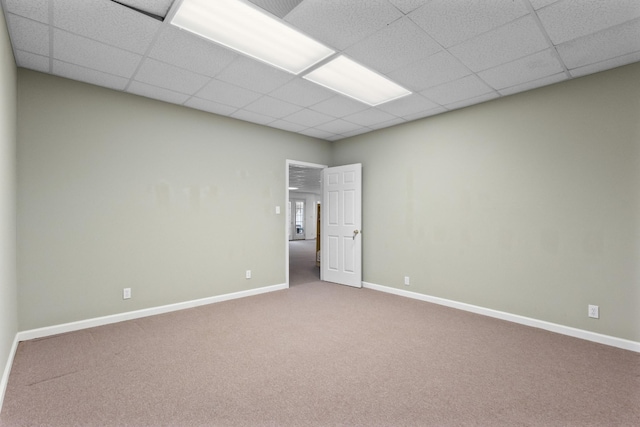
(449, 53)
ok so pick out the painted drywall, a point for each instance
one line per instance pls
(117, 191)
(8, 291)
(529, 204)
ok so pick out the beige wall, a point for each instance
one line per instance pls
(116, 191)
(529, 204)
(8, 298)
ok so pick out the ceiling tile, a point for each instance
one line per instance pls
(288, 126)
(395, 46)
(210, 106)
(340, 23)
(170, 77)
(505, 44)
(407, 105)
(228, 94)
(569, 19)
(431, 71)
(369, 117)
(356, 132)
(522, 70)
(610, 43)
(91, 54)
(156, 7)
(250, 116)
(339, 106)
(302, 93)
(279, 8)
(32, 61)
(473, 101)
(407, 6)
(185, 50)
(106, 21)
(534, 84)
(272, 107)
(606, 65)
(317, 133)
(456, 91)
(28, 35)
(338, 126)
(34, 9)
(426, 113)
(154, 92)
(388, 123)
(308, 118)
(452, 22)
(254, 75)
(87, 75)
(538, 4)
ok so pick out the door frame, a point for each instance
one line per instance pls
(286, 204)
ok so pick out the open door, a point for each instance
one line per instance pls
(341, 259)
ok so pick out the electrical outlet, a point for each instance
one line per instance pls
(407, 281)
(126, 293)
(247, 275)
(594, 311)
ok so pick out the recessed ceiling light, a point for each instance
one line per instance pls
(352, 79)
(293, 188)
(239, 26)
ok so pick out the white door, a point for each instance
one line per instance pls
(341, 239)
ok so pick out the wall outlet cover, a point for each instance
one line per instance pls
(594, 311)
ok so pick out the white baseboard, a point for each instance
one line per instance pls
(7, 370)
(114, 318)
(541, 324)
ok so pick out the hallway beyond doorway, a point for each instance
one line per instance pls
(302, 262)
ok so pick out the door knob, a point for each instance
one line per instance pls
(355, 233)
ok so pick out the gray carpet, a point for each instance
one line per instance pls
(320, 354)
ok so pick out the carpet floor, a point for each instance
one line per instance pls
(319, 354)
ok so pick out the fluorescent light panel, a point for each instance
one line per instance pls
(241, 27)
(352, 79)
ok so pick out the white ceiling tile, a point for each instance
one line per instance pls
(154, 92)
(317, 133)
(533, 67)
(87, 75)
(155, 7)
(340, 23)
(272, 107)
(356, 132)
(279, 8)
(387, 124)
(399, 44)
(210, 106)
(308, 118)
(456, 91)
(452, 22)
(407, 105)
(185, 50)
(610, 43)
(407, 6)
(534, 84)
(91, 54)
(28, 35)
(569, 19)
(254, 75)
(431, 71)
(34, 9)
(302, 92)
(369, 117)
(338, 126)
(505, 44)
(288, 126)
(538, 4)
(159, 74)
(250, 116)
(32, 61)
(228, 94)
(339, 106)
(106, 21)
(427, 113)
(473, 101)
(606, 65)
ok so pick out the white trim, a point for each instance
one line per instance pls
(114, 318)
(540, 324)
(286, 206)
(7, 370)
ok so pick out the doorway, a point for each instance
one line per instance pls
(304, 195)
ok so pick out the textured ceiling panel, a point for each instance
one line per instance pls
(250, 116)
(407, 6)
(87, 75)
(339, 106)
(32, 61)
(154, 92)
(302, 93)
(279, 8)
(605, 65)
(106, 21)
(338, 126)
(29, 35)
(227, 94)
(340, 23)
(431, 71)
(170, 77)
(308, 118)
(36, 9)
(272, 107)
(154, 7)
(254, 75)
(533, 67)
(537, 4)
(407, 105)
(210, 106)
(534, 84)
(452, 22)
(369, 117)
(456, 91)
